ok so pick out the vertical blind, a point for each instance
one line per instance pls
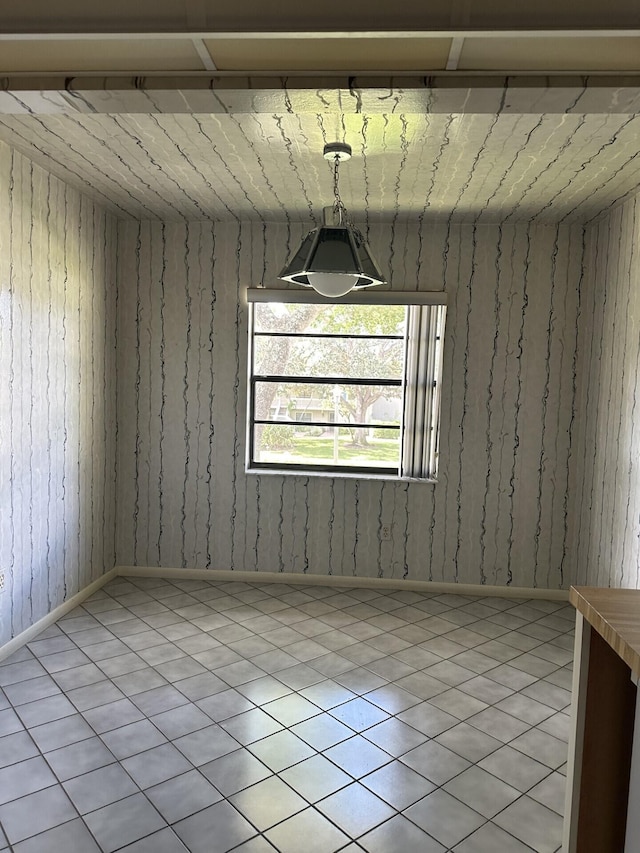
(423, 368)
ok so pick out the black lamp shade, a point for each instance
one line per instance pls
(331, 252)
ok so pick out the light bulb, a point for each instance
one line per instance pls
(332, 285)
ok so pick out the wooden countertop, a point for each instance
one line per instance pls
(615, 615)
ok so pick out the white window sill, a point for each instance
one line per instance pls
(337, 475)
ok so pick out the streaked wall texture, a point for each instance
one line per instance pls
(607, 488)
(57, 392)
(540, 449)
(500, 511)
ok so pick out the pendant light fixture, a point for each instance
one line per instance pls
(334, 259)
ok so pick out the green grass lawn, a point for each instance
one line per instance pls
(379, 451)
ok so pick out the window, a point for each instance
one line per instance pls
(348, 387)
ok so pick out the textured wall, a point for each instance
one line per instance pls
(607, 452)
(262, 162)
(488, 165)
(499, 513)
(57, 392)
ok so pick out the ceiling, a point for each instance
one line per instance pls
(463, 51)
(200, 36)
(269, 166)
(468, 110)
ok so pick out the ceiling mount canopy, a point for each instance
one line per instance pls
(335, 258)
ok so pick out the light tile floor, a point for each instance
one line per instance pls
(165, 716)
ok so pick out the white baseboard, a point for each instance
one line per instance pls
(344, 581)
(275, 577)
(38, 627)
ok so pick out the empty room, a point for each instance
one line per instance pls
(319, 447)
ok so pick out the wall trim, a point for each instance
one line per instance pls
(41, 625)
(273, 577)
(344, 581)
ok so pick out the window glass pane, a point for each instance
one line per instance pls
(344, 357)
(329, 319)
(319, 406)
(375, 447)
(329, 403)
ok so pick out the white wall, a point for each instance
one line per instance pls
(498, 515)
(57, 394)
(540, 448)
(607, 450)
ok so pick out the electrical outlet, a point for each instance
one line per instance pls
(385, 531)
(2, 583)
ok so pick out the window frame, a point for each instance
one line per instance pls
(427, 395)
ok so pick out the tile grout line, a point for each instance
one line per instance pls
(321, 711)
